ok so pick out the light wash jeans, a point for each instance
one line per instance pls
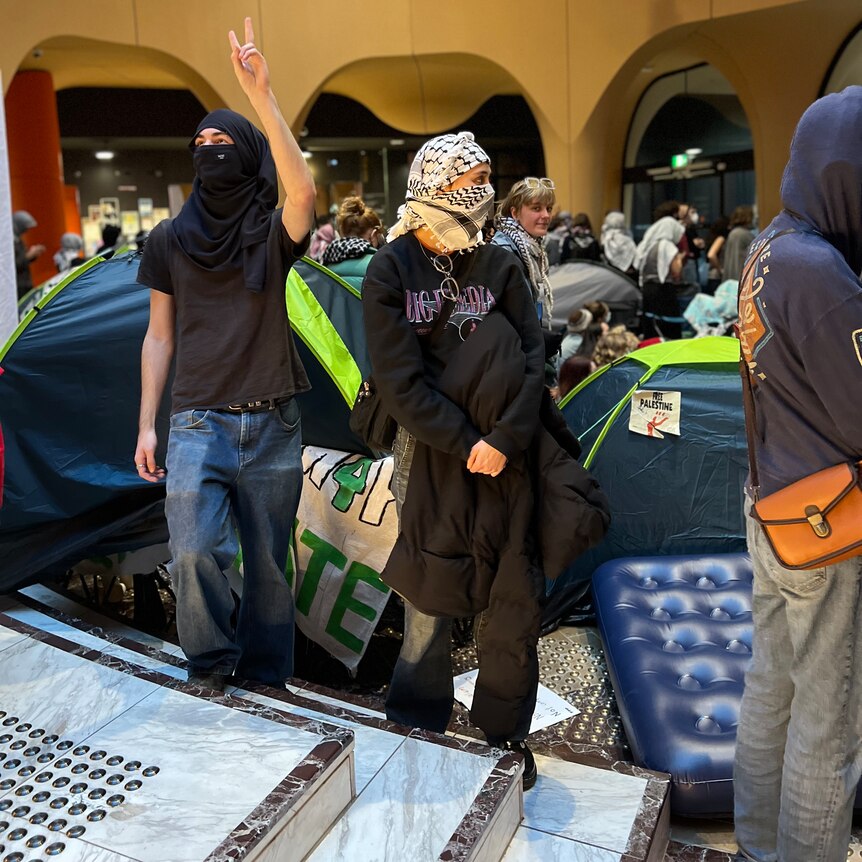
(421, 693)
(798, 752)
(234, 476)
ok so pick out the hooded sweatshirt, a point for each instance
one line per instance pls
(801, 302)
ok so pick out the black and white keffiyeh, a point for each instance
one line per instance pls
(532, 253)
(346, 248)
(455, 218)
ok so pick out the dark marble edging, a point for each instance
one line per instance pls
(486, 808)
(643, 833)
(480, 814)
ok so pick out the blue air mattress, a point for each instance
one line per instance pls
(677, 637)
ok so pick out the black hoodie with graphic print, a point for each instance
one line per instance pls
(401, 299)
(801, 302)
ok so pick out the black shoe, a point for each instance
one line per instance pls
(530, 771)
(207, 679)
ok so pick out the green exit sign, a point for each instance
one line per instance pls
(679, 161)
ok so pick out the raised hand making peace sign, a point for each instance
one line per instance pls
(248, 64)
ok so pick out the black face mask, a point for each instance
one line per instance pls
(228, 216)
(218, 167)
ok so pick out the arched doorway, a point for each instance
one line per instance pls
(689, 140)
(136, 107)
(352, 151)
(125, 150)
(846, 67)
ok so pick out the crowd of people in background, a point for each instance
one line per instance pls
(681, 267)
(69, 255)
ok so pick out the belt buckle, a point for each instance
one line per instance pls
(254, 406)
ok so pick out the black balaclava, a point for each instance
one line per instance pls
(225, 222)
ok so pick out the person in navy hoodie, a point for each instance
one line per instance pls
(798, 755)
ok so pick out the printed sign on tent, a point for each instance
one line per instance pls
(655, 414)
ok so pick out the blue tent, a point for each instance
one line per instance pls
(669, 494)
(69, 401)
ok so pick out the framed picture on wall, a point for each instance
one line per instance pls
(110, 210)
(131, 223)
(94, 213)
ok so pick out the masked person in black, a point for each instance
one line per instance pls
(234, 468)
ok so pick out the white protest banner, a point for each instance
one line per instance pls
(550, 707)
(345, 528)
(655, 414)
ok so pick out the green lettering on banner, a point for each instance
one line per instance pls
(346, 601)
(321, 554)
(351, 479)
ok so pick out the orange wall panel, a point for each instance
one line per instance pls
(35, 163)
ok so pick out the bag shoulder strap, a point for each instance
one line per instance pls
(749, 411)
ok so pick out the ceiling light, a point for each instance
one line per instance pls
(104, 155)
(694, 151)
(306, 154)
(396, 142)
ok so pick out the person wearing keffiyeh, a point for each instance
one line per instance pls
(454, 216)
(360, 234)
(522, 223)
(438, 301)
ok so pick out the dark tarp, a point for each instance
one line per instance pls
(575, 283)
(69, 402)
(676, 495)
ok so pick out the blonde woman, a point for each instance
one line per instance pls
(522, 224)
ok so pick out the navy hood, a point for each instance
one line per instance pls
(822, 183)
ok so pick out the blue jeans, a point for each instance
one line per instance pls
(234, 478)
(798, 753)
(422, 691)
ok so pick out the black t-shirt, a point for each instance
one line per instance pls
(232, 344)
(401, 300)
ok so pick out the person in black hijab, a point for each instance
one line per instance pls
(234, 467)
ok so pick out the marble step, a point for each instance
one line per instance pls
(102, 758)
(603, 812)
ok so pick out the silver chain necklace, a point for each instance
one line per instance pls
(444, 264)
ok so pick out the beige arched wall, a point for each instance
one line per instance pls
(579, 65)
(755, 51)
(417, 94)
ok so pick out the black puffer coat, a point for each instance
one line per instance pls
(459, 529)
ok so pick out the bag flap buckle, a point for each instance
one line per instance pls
(818, 523)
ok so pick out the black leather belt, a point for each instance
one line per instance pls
(256, 406)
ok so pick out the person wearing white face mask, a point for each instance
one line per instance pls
(432, 297)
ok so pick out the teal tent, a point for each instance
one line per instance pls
(669, 493)
(69, 400)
